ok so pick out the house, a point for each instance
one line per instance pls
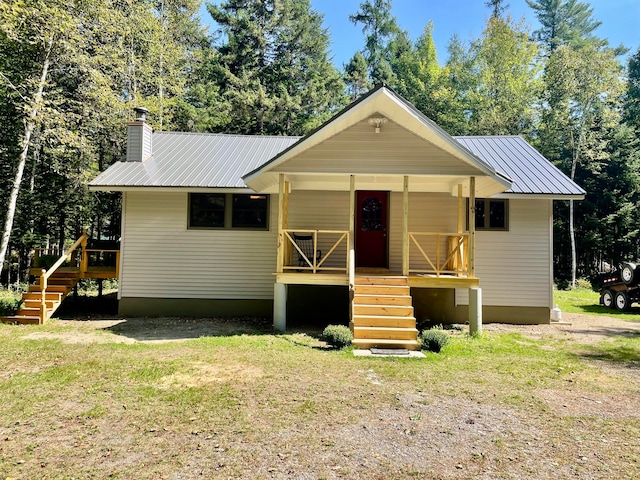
(404, 221)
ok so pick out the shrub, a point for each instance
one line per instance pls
(337, 336)
(9, 303)
(583, 284)
(434, 339)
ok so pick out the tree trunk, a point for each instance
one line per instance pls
(572, 234)
(26, 139)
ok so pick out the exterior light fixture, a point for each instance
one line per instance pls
(377, 122)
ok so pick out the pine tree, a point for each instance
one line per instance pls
(379, 26)
(497, 7)
(356, 77)
(564, 22)
(632, 97)
(274, 69)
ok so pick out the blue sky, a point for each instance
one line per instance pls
(620, 21)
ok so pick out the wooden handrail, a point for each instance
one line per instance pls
(45, 274)
(63, 257)
(439, 266)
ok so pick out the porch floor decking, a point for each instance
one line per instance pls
(420, 280)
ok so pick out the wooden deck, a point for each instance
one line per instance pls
(415, 280)
(52, 285)
(96, 273)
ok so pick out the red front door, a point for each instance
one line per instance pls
(371, 229)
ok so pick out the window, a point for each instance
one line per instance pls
(371, 214)
(249, 211)
(225, 210)
(206, 210)
(492, 214)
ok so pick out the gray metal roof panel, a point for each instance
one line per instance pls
(219, 160)
(195, 160)
(530, 171)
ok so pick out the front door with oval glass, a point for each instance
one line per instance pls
(371, 229)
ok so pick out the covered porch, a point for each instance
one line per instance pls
(427, 259)
(389, 202)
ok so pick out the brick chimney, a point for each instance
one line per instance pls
(139, 133)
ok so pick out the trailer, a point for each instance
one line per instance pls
(620, 287)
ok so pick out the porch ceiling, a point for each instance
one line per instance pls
(485, 187)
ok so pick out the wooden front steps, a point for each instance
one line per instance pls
(59, 285)
(383, 313)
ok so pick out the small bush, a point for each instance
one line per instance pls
(583, 284)
(337, 336)
(9, 303)
(434, 339)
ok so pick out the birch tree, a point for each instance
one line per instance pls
(44, 32)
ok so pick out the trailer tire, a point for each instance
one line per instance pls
(606, 299)
(622, 301)
(628, 273)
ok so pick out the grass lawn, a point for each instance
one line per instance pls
(585, 301)
(92, 400)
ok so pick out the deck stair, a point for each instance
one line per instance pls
(383, 313)
(60, 284)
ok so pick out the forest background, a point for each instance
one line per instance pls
(71, 72)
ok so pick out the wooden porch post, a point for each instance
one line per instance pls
(460, 208)
(475, 294)
(280, 289)
(280, 244)
(84, 255)
(405, 227)
(461, 250)
(472, 227)
(285, 223)
(352, 249)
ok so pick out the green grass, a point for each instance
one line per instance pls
(235, 406)
(585, 301)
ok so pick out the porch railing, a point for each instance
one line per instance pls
(332, 243)
(438, 253)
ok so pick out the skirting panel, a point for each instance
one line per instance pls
(193, 307)
(437, 305)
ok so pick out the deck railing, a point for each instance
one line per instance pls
(332, 243)
(77, 257)
(438, 253)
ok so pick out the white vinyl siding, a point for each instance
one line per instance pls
(514, 266)
(163, 259)
(359, 150)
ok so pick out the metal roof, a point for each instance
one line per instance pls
(195, 160)
(201, 160)
(530, 171)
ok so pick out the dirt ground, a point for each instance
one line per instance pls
(577, 328)
(414, 434)
(574, 327)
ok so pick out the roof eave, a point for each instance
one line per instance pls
(541, 196)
